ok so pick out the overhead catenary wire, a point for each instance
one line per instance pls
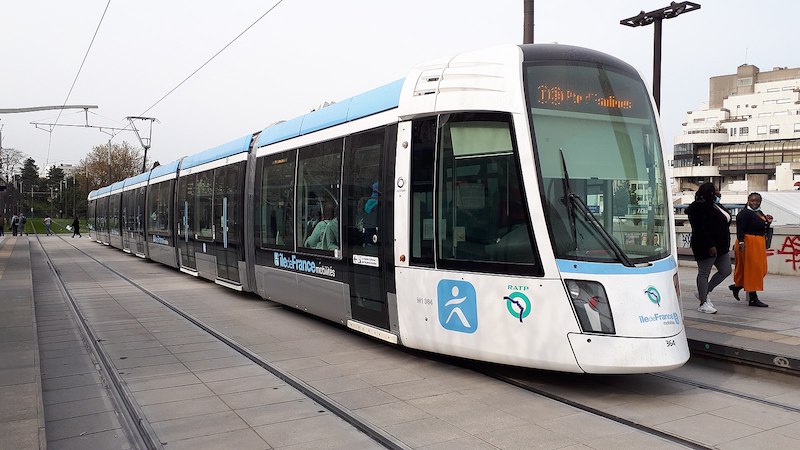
(212, 58)
(75, 81)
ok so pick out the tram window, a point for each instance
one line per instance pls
(113, 214)
(186, 211)
(158, 208)
(204, 213)
(364, 200)
(276, 202)
(423, 152)
(481, 210)
(318, 195)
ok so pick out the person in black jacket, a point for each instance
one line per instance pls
(750, 249)
(76, 227)
(710, 242)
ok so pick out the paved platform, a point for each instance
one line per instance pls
(765, 336)
(197, 394)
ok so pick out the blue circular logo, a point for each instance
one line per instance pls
(518, 305)
(653, 295)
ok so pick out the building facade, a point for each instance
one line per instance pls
(747, 140)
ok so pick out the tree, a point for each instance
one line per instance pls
(54, 176)
(10, 160)
(30, 173)
(108, 163)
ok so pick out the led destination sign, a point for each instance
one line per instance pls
(554, 96)
(587, 89)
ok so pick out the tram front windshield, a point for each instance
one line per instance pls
(600, 160)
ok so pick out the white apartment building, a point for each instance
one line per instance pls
(747, 140)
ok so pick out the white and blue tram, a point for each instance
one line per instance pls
(506, 205)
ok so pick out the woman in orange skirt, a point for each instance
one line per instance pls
(750, 250)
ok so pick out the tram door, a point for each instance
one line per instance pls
(139, 194)
(228, 190)
(369, 243)
(185, 212)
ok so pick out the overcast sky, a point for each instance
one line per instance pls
(305, 52)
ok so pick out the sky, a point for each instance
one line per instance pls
(306, 52)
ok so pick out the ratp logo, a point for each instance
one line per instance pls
(458, 306)
(653, 295)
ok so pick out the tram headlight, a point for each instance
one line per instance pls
(590, 303)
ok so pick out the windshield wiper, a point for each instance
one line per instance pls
(574, 200)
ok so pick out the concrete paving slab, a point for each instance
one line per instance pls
(184, 408)
(171, 394)
(286, 412)
(249, 399)
(239, 440)
(111, 439)
(197, 426)
(76, 426)
(77, 408)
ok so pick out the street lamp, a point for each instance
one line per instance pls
(656, 17)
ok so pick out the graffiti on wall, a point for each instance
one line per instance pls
(791, 248)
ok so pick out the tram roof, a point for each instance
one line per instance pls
(92, 194)
(371, 102)
(165, 169)
(117, 186)
(561, 52)
(137, 179)
(237, 146)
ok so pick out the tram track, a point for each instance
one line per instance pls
(132, 419)
(729, 392)
(552, 386)
(544, 384)
(526, 385)
(137, 418)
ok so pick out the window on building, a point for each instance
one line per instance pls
(797, 128)
(744, 81)
(744, 131)
(765, 114)
(772, 90)
(783, 101)
(774, 129)
(770, 102)
(762, 129)
(781, 113)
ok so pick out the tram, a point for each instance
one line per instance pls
(506, 205)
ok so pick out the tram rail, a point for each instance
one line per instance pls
(136, 419)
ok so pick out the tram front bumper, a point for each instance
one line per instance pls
(603, 354)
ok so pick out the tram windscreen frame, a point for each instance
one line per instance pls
(595, 136)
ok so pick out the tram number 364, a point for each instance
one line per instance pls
(670, 342)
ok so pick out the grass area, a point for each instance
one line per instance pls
(59, 226)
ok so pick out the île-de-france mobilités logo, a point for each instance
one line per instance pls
(458, 306)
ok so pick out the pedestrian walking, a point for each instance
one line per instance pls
(14, 224)
(711, 239)
(750, 250)
(2, 225)
(48, 222)
(22, 222)
(76, 227)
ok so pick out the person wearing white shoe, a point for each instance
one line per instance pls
(711, 239)
(706, 308)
